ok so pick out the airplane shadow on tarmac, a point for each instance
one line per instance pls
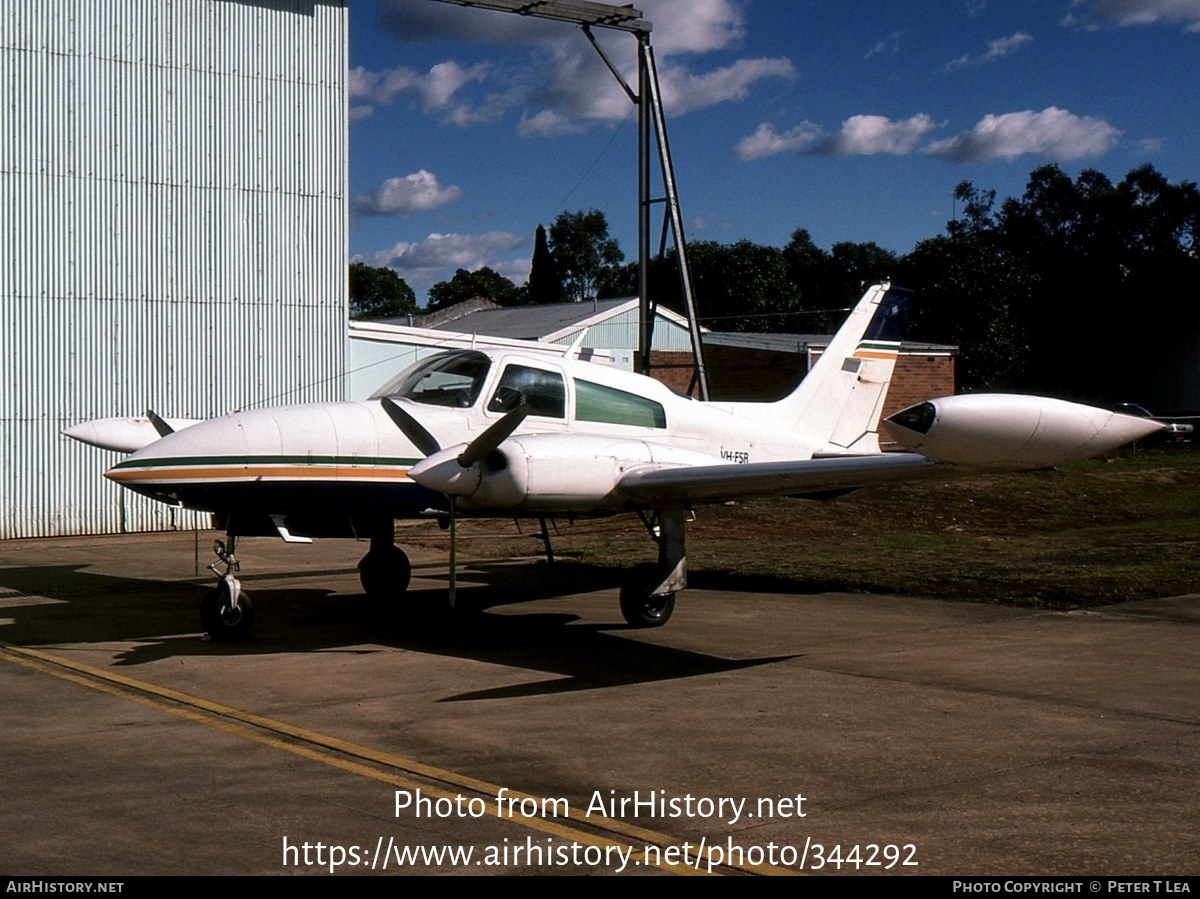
(64, 604)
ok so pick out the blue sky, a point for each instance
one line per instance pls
(854, 120)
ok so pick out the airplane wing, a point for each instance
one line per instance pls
(675, 485)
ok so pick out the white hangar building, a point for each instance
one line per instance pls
(173, 185)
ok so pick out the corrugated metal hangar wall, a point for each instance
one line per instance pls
(173, 186)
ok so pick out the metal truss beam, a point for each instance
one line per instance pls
(578, 12)
(648, 99)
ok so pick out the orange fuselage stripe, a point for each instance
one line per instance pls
(247, 472)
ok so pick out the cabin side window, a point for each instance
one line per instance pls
(449, 379)
(544, 391)
(595, 402)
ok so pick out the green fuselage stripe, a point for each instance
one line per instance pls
(338, 461)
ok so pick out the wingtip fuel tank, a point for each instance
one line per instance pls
(124, 435)
(1012, 431)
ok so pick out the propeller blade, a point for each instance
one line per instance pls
(159, 424)
(479, 448)
(410, 427)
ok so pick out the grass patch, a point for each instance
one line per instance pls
(1099, 532)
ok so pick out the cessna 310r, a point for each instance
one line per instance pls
(508, 434)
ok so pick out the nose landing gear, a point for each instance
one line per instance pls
(226, 612)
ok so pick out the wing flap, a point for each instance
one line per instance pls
(654, 485)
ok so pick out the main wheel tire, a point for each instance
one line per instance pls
(638, 607)
(224, 621)
(385, 574)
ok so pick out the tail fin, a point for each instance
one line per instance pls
(840, 400)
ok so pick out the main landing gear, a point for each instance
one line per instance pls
(226, 612)
(648, 594)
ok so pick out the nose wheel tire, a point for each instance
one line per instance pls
(224, 620)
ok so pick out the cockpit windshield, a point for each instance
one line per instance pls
(448, 379)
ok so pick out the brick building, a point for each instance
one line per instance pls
(764, 367)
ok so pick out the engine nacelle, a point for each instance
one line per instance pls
(521, 474)
(547, 472)
(1012, 431)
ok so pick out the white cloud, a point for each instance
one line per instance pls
(1053, 132)
(694, 26)
(766, 141)
(423, 21)
(889, 44)
(562, 85)
(680, 26)
(576, 88)
(683, 91)
(516, 270)
(447, 252)
(548, 123)
(581, 90)
(874, 135)
(860, 135)
(1006, 45)
(360, 82)
(418, 192)
(436, 91)
(438, 256)
(996, 49)
(1097, 13)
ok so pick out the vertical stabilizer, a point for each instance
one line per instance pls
(840, 400)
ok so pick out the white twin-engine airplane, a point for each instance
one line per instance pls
(509, 434)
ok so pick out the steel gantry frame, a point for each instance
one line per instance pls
(648, 99)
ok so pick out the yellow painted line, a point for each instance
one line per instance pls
(252, 726)
(254, 473)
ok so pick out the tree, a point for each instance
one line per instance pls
(826, 283)
(482, 283)
(1112, 263)
(378, 293)
(545, 285)
(977, 206)
(858, 265)
(586, 257)
(972, 294)
(743, 287)
(1044, 293)
(811, 272)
